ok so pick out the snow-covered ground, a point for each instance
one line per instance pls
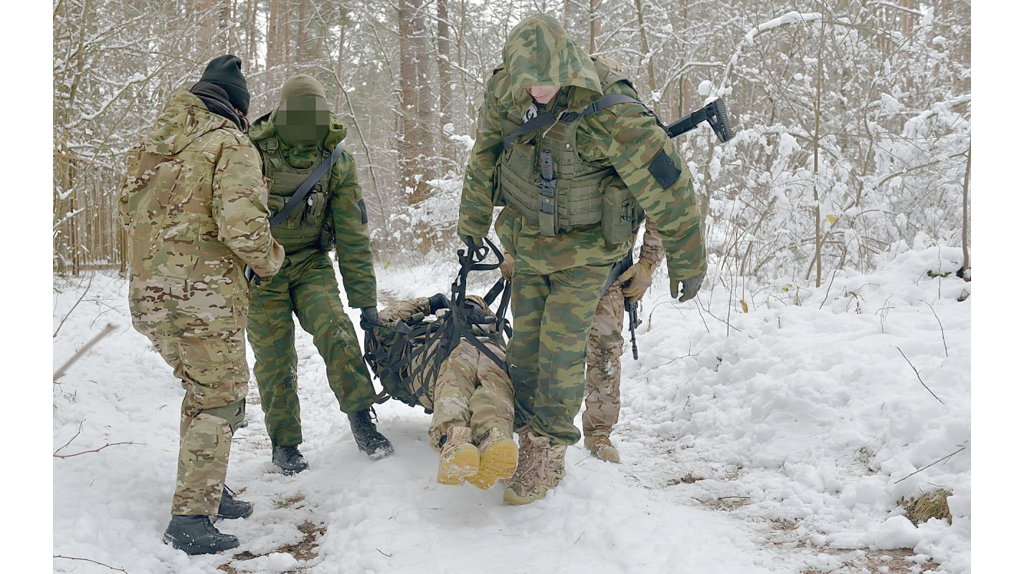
(778, 440)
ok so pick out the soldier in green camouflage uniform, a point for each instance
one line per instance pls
(605, 345)
(292, 141)
(565, 236)
(193, 202)
(470, 396)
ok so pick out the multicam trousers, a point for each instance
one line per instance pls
(471, 391)
(215, 377)
(604, 365)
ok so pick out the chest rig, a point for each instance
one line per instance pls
(307, 225)
(542, 175)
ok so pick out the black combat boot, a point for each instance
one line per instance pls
(231, 508)
(374, 444)
(289, 459)
(197, 535)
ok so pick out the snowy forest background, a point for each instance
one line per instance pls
(836, 221)
(852, 118)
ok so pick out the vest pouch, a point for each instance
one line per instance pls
(617, 211)
(326, 241)
(518, 186)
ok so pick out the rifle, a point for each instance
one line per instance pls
(630, 306)
(716, 114)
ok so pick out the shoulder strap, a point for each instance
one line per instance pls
(300, 194)
(546, 119)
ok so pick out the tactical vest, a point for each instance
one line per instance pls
(581, 193)
(307, 225)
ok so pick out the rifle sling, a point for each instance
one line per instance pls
(546, 119)
(300, 194)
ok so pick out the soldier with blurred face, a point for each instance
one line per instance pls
(294, 140)
(576, 160)
(193, 203)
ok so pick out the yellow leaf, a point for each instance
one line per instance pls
(831, 219)
(744, 305)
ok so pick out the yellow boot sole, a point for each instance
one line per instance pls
(497, 461)
(460, 464)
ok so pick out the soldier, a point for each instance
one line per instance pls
(193, 202)
(293, 140)
(577, 155)
(469, 394)
(605, 345)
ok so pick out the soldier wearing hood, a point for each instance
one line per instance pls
(573, 193)
(193, 203)
(292, 141)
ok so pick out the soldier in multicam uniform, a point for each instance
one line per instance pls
(571, 192)
(605, 345)
(193, 202)
(292, 141)
(469, 394)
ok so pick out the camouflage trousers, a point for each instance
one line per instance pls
(215, 377)
(604, 365)
(309, 290)
(552, 315)
(471, 391)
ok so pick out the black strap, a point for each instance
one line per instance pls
(544, 120)
(300, 194)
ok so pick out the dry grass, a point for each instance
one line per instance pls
(303, 550)
(931, 504)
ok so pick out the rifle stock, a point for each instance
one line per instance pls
(716, 114)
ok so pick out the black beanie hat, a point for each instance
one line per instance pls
(226, 72)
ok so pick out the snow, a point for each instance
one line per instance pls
(774, 441)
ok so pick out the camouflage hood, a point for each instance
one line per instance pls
(539, 51)
(263, 128)
(183, 121)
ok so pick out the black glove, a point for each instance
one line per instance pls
(690, 287)
(369, 318)
(438, 301)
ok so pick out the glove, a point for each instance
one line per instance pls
(438, 301)
(369, 318)
(474, 243)
(636, 280)
(690, 287)
(508, 265)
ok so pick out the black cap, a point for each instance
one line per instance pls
(226, 72)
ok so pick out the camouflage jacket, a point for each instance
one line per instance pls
(346, 211)
(626, 137)
(193, 202)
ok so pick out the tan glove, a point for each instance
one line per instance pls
(507, 266)
(637, 279)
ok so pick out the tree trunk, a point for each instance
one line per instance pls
(444, 74)
(416, 145)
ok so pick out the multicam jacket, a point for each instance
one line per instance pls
(193, 202)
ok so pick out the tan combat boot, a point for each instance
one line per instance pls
(602, 448)
(498, 456)
(541, 467)
(460, 458)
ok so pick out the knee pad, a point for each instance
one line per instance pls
(233, 413)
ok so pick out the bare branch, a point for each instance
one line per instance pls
(85, 348)
(943, 459)
(918, 374)
(88, 560)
